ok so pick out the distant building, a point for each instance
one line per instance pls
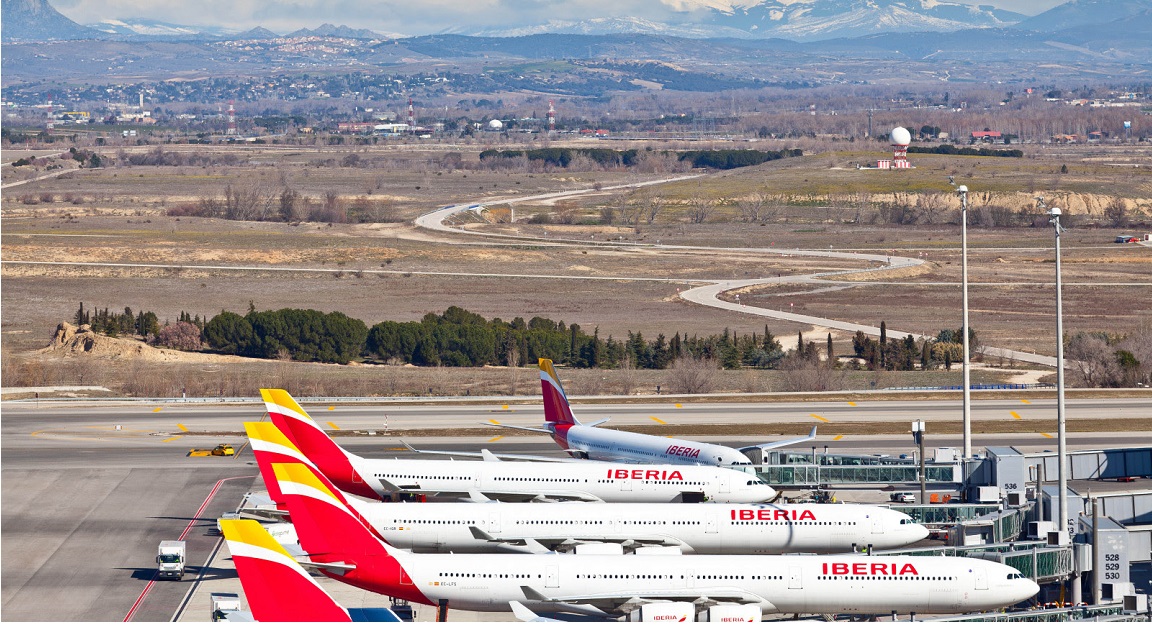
(986, 135)
(354, 127)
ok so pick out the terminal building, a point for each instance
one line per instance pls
(1002, 505)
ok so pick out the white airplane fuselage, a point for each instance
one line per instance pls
(752, 529)
(592, 481)
(596, 443)
(845, 584)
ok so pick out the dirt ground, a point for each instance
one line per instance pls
(391, 271)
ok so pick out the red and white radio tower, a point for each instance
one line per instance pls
(231, 118)
(51, 123)
(551, 116)
(411, 115)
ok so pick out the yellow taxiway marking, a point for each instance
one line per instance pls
(851, 404)
(820, 418)
(182, 427)
(333, 425)
(504, 407)
(837, 438)
(157, 409)
(495, 439)
(493, 422)
(1047, 435)
(1025, 401)
(657, 419)
(1014, 415)
(331, 408)
(171, 439)
(678, 405)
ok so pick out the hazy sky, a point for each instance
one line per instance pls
(407, 17)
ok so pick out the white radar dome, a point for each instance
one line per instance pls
(900, 135)
(496, 124)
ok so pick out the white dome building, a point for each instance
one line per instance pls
(900, 139)
(496, 125)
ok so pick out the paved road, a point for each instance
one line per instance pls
(709, 294)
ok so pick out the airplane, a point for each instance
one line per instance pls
(589, 441)
(277, 587)
(484, 480)
(343, 546)
(705, 528)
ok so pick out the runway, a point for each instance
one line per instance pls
(173, 417)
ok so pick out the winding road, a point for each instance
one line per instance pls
(709, 294)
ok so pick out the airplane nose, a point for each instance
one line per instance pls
(919, 531)
(1029, 587)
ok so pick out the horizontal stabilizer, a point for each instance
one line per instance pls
(334, 567)
(513, 426)
(785, 443)
(484, 454)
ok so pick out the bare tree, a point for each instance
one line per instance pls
(1116, 212)
(564, 211)
(1092, 360)
(627, 212)
(247, 202)
(931, 207)
(627, 377)
(752, 207)
(700, 209)
(805, 374)
(693, 375)
(184, 336)
(653, 207)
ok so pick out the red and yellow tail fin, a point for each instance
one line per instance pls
(556, 409)
(335, 463)
(269, 445)
(278, 589)
(336, 536)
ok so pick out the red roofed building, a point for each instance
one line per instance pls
(986, 135)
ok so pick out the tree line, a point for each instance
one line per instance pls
(953, 150)
(461, 338)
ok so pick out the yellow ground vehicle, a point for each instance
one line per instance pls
(219, 450)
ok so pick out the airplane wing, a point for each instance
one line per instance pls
(524, 614)
(785, 443)
(260, 504)
(508, 496)
(519, 545)
(548, 544)
(627, 602)
(485, 454)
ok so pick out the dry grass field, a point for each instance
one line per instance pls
(393, 271)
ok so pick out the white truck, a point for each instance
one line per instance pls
(170, 560)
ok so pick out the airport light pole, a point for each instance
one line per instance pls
(1061, 442)
(918, 435)
(967, 402)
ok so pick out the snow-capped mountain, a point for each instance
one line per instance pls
(802, 20)
(605, 26)
(824, 19)
(155, 28)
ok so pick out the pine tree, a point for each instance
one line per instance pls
(883, 341)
